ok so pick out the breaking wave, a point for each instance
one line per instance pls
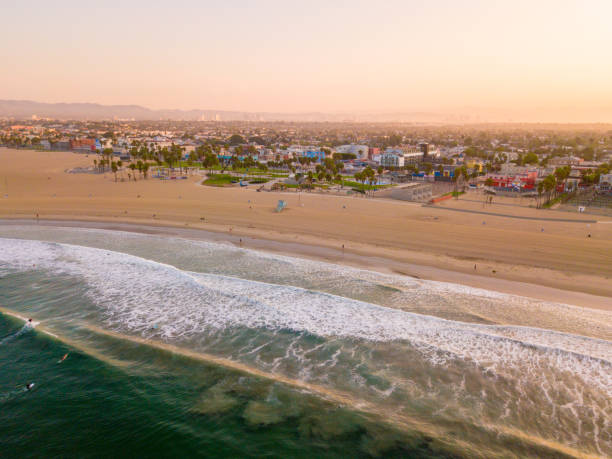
(552, 384)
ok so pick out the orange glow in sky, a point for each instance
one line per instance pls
(522, 57)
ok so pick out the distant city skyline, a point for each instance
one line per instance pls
(504, 61)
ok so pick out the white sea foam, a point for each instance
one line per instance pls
(138, 294)
(569, 373)
(439, 299)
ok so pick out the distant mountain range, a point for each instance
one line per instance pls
(26, 109)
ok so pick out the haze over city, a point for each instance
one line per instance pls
(491, 61)
(322, 229)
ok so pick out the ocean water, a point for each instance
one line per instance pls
(181, 347)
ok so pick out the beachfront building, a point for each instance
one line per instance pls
(605, 183)
(60, 145)
(517, 182)
(392, 159)
(85, 145)
(446, 173)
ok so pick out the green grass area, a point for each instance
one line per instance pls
(227, 179)
(552, 202)
(220, 180)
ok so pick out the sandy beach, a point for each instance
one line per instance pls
(530, 253)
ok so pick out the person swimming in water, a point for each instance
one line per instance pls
(29, 386)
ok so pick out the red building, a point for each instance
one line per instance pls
(83, 144)
(525, 181)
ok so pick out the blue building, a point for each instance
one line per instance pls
(318, 155)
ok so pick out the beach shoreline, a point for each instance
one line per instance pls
(337, 256)
(560, 261)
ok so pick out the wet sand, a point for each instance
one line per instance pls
(512, 255)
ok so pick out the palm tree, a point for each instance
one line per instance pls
(540, 191)
(114, 168)
(456, 177)
(550, 183)
(310, 178)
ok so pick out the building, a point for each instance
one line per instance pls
(424, 147)
(429, 151)
(565, 161)
(446, 174)
(605, 183)
(84, 145)
(62, 145)
(474, 165)
(313, 154)
(391, 159)
(373, 151)
(412, 191)
(518, 182)
(513, 169)
(413, 157)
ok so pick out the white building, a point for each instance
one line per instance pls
(391, 159)
(605, 182)
(413, 157)
(409, 155)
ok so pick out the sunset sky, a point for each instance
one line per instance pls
(514, 56)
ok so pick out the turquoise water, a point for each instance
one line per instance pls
(88, 408)
(179, 347)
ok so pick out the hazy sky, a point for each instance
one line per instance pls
(383, 55)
